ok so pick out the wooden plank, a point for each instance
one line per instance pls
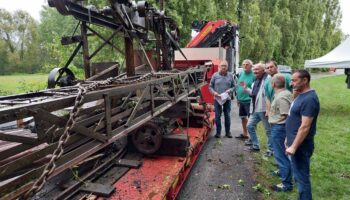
(98, 189)
(174, 145)
(14, 150)
(17, 138)
(128, 163)
(10, 114)
(24, 182)
(24, 161)
(108, 114)
(77, 128)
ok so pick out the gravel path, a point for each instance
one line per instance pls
(224, 170)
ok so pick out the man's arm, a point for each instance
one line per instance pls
(245, 88)
(232, 85)
(303, 131)
(267, 96)
(211, 86)
(268, 106)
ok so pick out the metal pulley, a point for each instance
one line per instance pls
(147, 139)
(62, 77)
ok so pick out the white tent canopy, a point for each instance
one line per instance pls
(339, 57)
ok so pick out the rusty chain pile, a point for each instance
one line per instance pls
(79, 101)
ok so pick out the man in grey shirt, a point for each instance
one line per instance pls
(222, 82)
(277, 118)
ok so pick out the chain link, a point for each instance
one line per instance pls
(79, 100)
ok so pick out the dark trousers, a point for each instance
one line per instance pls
(278, 135)
(301, 172)
(226, 108)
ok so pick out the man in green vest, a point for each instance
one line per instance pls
(243, 99)
(272, 69)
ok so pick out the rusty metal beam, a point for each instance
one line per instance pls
(86, 60)
(106, 41)
(129, 56)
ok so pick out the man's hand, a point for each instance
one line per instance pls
(238, 103)
(243, 84)
(285, 144)
(228, 91)
(216, 94)
(303, 131)
(290, 150)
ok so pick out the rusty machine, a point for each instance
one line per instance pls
(63, 140)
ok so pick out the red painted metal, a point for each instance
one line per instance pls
(209, 28)
(207, 96)
(161, 177)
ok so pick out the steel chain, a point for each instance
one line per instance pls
(58, 152)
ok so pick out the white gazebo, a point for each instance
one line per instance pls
(339, 57)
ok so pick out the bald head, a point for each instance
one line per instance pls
(259, 70)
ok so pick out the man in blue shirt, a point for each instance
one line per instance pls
(222, 82)
(300, 131)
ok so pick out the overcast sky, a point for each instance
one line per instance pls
(34, 6)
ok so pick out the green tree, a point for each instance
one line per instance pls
(19, 32)
(4, 62)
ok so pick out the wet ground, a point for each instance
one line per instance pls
(224, 170)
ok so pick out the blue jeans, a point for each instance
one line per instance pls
(253, 120)
(301, 171)
(278, 135)
(218, 111)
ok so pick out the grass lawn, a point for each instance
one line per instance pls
(330, 163)
(14, 84)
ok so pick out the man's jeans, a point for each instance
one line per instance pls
(301, 172)
(253, 120)
(278, 136)
(218, 111)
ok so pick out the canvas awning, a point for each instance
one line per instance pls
(339, 57)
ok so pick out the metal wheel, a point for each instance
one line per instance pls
(147, 139)
(61, 77)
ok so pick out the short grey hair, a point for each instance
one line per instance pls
(278, 80)
(248, 61)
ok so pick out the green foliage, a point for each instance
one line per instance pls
(54, 26)
(20, 38)
(288, 31)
